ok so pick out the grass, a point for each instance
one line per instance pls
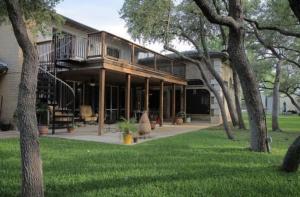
(200, 163)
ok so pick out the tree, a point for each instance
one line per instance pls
(291, 160)
(279, 43)
(237, 53)
(32, 175)
(166, 22)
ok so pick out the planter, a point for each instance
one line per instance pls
(179, 121)
(70, 129)
(43, 130)
(153, 125)
(127, 138)
(188, 120)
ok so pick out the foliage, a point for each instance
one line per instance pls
(39, 14)
(127, 126)
(166, 20)
(181, 114)
(201, 163)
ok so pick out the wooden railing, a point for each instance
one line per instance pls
(106, 45)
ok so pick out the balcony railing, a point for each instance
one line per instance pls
(106, 45)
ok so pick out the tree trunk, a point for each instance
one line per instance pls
(237, 100)
(238, 58)
(295, 6)
(293, 101)
(230, 104)
(220, 102)
(275, 105)
(32, 177)
(292, 158)
(250, 90)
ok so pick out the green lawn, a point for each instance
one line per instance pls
(201, 163)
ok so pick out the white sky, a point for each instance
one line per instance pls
(104, 15)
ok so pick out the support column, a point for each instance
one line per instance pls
(101, 107)
(127, 96)
(146, 99)
(161, 103)
(184, 99)
(173, 103)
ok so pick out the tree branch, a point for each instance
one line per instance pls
(214, 17)
(273, 28)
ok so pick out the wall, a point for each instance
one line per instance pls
(192, 72)
(11, 54)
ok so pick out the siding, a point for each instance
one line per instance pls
(9, 83)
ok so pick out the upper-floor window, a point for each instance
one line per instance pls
(195, 82)
(113, 52)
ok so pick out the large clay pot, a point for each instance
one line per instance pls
(144, 124)
(179, 121)
(127, 138)
(43, 130)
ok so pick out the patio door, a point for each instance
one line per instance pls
(112, 103)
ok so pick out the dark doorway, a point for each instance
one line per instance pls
(197, 101)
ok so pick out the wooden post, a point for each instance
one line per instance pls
(101, 107)
(132, 54)
(155, 62)
(127, 96)
(161, 103)
(173, 103)
(146, 99)
(184, 99)
(103, 45)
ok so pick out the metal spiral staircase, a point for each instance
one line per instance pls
(58, 95)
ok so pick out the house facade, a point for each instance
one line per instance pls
(81, 66)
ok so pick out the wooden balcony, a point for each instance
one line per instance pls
(103, 45)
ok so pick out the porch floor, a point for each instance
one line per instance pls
(112, 136)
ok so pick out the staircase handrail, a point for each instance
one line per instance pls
(58, 79)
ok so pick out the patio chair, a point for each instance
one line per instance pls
(87, 115)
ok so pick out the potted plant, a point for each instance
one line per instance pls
(71, 128)
(152, 122)
(180, 117)
(127, 127)
(42, 116)
(188, 119)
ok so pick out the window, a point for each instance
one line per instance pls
(195, 82)
(113, 52)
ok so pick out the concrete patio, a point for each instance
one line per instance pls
(112, 136)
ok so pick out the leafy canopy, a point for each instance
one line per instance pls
(39, 14)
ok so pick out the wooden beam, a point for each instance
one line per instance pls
(161, 103)
(173, 103)
(142, 72)
(146, 99)
(127, 96)
(101, 110)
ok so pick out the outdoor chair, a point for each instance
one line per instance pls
(87, 114)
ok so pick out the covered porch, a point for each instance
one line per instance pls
(114, 92)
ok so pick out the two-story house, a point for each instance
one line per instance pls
(81, 66)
